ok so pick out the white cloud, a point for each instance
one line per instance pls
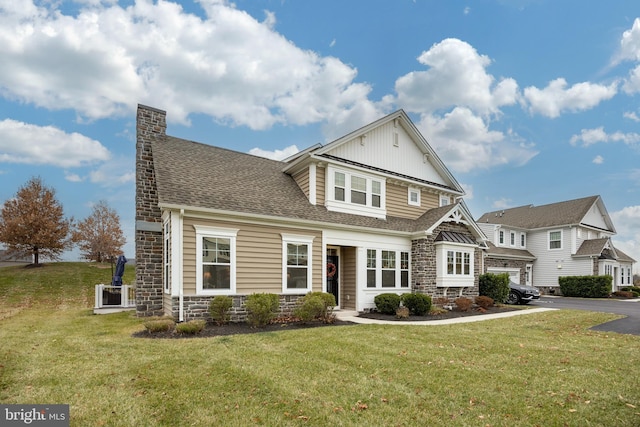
(226, 65)
(593, 136)
(114, 173)
(632, 84)
(627, 223)
(72, 177)
(630, 44)
(456, 76)
(631, 115)
(464, 142)
(276, 154)
(503, 203)
(557, 98)
(47, 145)
(598, 160)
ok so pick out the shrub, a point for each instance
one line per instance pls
(585, 286)
(495, 286)
(441, 301)
(159, 324)
(387, 303)
(484, 301)
(219, 308)
(624, 294)
(418, 304)
(635, 289)
(192, 327)
(402, 312)
(262, 308)
(316, 305)
(463, 303)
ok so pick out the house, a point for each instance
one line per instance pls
(538, 244)
(372, 212)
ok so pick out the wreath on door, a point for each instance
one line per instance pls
(331, 269)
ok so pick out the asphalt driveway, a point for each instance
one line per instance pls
(629, 308)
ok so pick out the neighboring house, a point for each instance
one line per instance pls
(538, 244)
(372, 212)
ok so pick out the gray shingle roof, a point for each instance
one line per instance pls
(532, 217)
(191, 174)
(593, 247)
(496, 251)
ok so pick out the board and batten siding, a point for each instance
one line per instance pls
(391, 148)
(258, 255)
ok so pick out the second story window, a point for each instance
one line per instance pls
(555, 240)
(355, 192)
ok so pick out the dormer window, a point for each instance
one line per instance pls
(355, 192)
(413, 196)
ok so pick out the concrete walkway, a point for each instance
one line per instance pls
(352, 316)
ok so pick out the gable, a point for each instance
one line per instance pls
(596, 218)
(391, 148)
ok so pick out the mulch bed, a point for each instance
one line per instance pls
(212, 330)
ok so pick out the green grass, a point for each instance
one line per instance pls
(542, 369)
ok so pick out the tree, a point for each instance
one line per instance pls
(99, 236)
(33, 223)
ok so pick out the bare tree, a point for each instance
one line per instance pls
(33, 223)
(99, 236)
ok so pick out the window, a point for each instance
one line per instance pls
(371, 268)
(523, 240)
(501, 237)
(384, 270)
(167, 256)
(339, 186)
(348, 192)
(216, 264)
(512, 237)
(458, 263)
(297, 251)
(414, 197)
(444, 201)
(454, 265)
(388, 269)
(555, 240)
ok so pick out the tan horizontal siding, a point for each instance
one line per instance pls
(398, 205)
(258, 255)
(320, 182)
(302, 179)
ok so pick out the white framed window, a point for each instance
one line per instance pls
(445, 201)
(523, 240)
(555, 239)
(454, 265)
(167, 255)
(216, 260)
(512, 238)
(387, 269)
(297, 263)
(413, 196)
(501, 237)
(355, 192)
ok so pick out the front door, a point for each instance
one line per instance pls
(332, 272)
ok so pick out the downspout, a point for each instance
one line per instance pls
(180, 262)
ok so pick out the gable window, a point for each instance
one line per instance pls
(555, 240)
(414, 197)
(356, 193)
(501, 237)
(384, 270)
(216, 263)
(512, 237)
(297, 264)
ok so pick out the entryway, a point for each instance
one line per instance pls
(333, 272)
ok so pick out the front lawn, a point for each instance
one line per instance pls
(539, 369)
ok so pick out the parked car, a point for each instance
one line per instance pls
(522, 294)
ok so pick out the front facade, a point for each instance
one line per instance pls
(538, 244)
(375, 211)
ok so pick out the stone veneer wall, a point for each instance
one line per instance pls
(423, 264)
(197, 307)
(150, 126)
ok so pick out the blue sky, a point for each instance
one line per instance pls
(526, 102)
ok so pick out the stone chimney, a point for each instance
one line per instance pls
(151, 126)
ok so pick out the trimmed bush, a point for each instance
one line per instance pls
(418, 304)
(219, 308)
(387, 303)
(585, 286)
(402, 313)
(495, 286)
(463, 303)
(262, 308)
(484, 301)
(316, 305)
(159, 325)
(192, 327)
(635, 289)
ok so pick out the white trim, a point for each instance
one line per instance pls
(312, 183)
(443, 278)
(549, 248)
(229, 233)
(297, 239)
(347, 206)
(416, 191)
